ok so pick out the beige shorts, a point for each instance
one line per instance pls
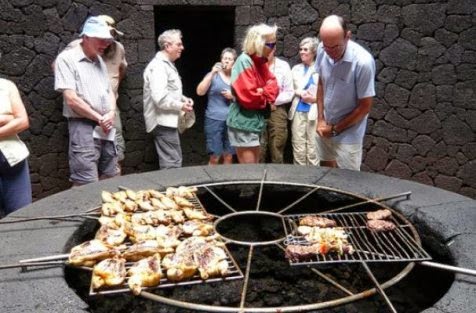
(348, 156)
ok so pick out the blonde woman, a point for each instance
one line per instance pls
(254, 88)
(303, 112)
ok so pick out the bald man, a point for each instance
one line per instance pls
(344, 95)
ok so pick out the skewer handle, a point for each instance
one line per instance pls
(450, 268)
(46, 258)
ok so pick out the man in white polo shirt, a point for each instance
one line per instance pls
(89, 105)
(344, 95)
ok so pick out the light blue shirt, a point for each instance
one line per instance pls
(345, 82)
(217, 105)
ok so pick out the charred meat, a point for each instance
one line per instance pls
(380, 225)
(379, 214)
(319, 221)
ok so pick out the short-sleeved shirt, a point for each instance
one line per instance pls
(344, 83)
(88, 78)
(217, 105)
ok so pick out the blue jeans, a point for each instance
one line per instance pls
(216, 135)
(15, 186)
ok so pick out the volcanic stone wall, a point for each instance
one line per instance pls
(422, 126)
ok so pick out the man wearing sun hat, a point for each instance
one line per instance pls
(115, 58)
(88, 104)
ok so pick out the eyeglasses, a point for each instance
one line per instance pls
(332, 48)
(270, 45)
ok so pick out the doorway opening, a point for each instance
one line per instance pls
(206, 31)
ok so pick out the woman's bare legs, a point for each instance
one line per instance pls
(227, 159)
(248, 155)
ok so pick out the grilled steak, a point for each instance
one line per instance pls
(380, 225)
(302, 253)
(379, 214)
(314, 220)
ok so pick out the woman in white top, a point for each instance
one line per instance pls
(303, 112)
(15, 186)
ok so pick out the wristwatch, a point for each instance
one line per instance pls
(333, 131)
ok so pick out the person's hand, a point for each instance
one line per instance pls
(5, 118)
(107, 121)
(323, 129)
(308, 97)
(187, 105)
(272, 107)
(227, 94)
(217, 67)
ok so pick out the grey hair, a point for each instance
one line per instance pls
(312, 42)
(229, 50)
(167, 37)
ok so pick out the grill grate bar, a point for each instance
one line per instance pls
(369, 246)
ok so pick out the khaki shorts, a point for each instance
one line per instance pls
(348, 156)
(89, 158)
(239, 138)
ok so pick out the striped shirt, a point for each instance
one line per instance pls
(88, 78)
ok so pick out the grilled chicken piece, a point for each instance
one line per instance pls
(182, 202)
(139, 233)
(131, 194)
(143, 195)
(120, 195)
(182, 191)
(319, 221)
(380, 225)
(211, 261)
(157, 204)
(107, 196)
(155, 194)
(154, 218)
(181, 265)
(145, 205)
(130, 206)
(145, 273)
(111, 208)
(379, 214)
(90, 252)
(169, 203)
(111, 234)
(167, 236)
(197, 228)
(195, 214)
(176, 216)
(144, 249)
(109, 272)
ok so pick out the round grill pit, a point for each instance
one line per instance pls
(273, 282)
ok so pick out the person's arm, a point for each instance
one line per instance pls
(18, 120)
(204, 85)
(360, 112)
(79, 106)
(321, 122)
(286, 90)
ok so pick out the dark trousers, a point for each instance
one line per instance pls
(15, 186)
(167, 144)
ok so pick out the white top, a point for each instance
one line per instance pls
(163, 99)
(282, 71)
(12, 147)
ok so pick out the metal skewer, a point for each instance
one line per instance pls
(219, 199)
(450, 268)
(299, 200)
(379, 288)
(52, 217)
(46, 258)
(258, 203)
(375, 200)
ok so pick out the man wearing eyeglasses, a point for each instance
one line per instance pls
(344, 95)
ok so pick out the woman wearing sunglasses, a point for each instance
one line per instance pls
(254, 88)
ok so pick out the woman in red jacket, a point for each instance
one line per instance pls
(254, 88)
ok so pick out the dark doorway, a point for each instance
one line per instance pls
(206, 31)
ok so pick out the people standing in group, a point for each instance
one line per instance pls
(255, 88)
(275, 134)
(163, 99)
(345, 94)
(216, 84)
(114, 57)
(303, 112)
(15, 185)
(88, 104)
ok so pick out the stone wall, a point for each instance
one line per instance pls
(422, 126)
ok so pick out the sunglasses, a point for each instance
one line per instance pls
(270, 45)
